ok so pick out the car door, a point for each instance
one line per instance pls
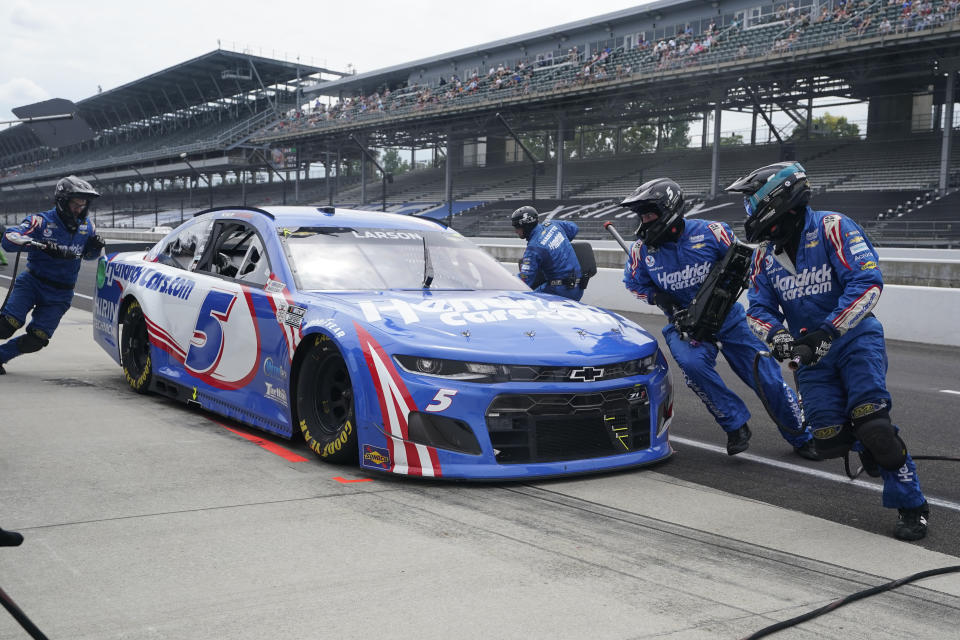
(222, 340)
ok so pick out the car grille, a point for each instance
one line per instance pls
(549, 427)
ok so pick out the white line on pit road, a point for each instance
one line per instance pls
(956, 393)
(810, 472)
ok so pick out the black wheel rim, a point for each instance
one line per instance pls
(333, 399)
(137, 344)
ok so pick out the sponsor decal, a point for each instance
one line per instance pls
(811, 244)
(867, 408)
(810, 281)
(649, 261)
(825, 433)
(904, 474)
(860, 247)
(272, 370)
(334, 328)
(768, 262)
(866, 266)
(812, 235)
(275, 393)
(697, 238)
(170, 285)
(691, 275)
(699, 245)
(458, 312)
(274, 286)
(388, 235)
(104, 314)
(291, 315)
(125, 273)
(376, 457)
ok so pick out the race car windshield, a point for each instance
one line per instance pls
(346, 259)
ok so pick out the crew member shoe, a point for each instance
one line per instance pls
(912, 524)
(2, 370)
(738, 440)
(808, 450)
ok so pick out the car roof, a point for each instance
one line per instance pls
(317, 216)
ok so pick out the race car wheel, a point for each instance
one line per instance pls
(135, 349)
(325, 404)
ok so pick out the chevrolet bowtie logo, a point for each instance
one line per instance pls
(586, 374)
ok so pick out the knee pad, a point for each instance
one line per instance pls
(32, 341)
(872, 427)
(833, 441)
(8, 325)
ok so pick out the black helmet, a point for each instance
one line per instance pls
(525, 218)
(775, 198)
(663, 197)
(73, 187)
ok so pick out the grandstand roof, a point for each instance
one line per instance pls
(206, 78)
(401, 72)
(211, 77)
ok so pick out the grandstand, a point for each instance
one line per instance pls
(642, 81)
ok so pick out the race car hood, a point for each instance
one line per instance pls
(510, 327)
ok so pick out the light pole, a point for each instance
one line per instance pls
(183, 156)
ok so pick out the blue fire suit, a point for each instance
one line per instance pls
(834, 286)
(46, 284)
(679, 268)
(549, 250)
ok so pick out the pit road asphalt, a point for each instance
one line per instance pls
(148, 519)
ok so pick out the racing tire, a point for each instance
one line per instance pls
(135, 349)
(324, 404)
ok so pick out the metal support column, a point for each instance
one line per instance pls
(947, 132)
(363, 179)
(561, 152)
(715, 161)
(448, 179)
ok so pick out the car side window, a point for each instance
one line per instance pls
(238, 253)
(184, 247)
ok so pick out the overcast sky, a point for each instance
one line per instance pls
(65, 49)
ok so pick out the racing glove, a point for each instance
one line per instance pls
(94, 244)
(666, 302)
(781, 345)
(816, 345)
(53, 250)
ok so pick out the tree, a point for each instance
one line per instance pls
(676, 133)
(827, 126)
(733, 138)
(393, 163)
(638, 139)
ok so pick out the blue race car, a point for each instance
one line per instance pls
(382, 338)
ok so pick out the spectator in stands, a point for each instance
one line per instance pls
(549, 263)
(55, 241)
(817, 271)
(666, 267)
